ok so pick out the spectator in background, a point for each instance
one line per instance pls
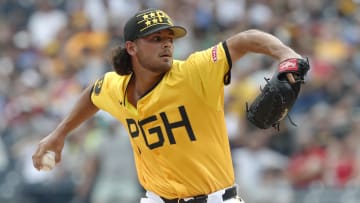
(307, 164)
(45, 24)
(343, 159)
(257, 167)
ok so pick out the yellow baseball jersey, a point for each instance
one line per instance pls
(177, 130)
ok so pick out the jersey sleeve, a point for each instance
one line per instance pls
(209, 70)
(103, 95)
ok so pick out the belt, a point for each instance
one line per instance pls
(229, 193)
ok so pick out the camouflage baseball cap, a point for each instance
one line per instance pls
(149, 21)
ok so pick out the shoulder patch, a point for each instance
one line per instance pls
(98, 86)
(214, 53)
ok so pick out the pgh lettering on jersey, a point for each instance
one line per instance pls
(183, 112)
(138, 127)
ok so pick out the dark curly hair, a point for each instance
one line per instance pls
(121, 61)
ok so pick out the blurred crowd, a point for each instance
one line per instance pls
(50, 50)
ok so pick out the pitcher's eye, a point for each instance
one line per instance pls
(156, 39)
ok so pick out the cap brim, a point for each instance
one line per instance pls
(178, 31)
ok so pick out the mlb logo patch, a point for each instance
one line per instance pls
(214, 53)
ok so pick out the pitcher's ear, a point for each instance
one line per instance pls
(130, 47)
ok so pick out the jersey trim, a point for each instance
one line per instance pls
(126, 88)
(91, 92)
(227, 76)
(133, 75)
(92, 89)
(147, 92)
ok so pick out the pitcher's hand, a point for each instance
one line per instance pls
(52, 142)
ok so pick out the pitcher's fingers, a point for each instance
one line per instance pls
(36, 161)
(290, 78)
(37, 157)
(57, 157)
